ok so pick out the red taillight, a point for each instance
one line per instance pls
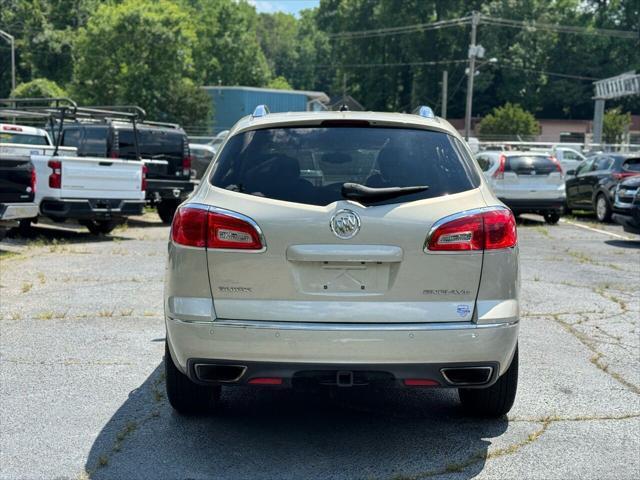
(33, 181)
(621, 175)
(265, 381)
(556, 163)
(143, 181)
(55, 178)
(226, 231)
(420, 382)
(186, 165)
(195, 227)
(488, 230)
(113, 154)
(499, 173)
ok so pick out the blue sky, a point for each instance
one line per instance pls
(287, 6)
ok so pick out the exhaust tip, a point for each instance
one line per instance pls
(467, 375)
(208, 372)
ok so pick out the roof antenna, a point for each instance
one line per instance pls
(343, 108)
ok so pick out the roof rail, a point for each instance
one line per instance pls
(134, 109)
(260, 111)
(161, 124)
(424, 111)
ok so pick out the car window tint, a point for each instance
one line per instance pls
(155, 144)
(6, 137)
(310, 164)
(530, 164)
(95, 142)
(485, 163)
(72, 137)
(632, 165)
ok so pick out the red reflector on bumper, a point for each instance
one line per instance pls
(266, 381)
(420, 382)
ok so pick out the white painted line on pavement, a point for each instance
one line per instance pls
(615, 235)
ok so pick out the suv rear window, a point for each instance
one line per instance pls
(153, 144)
(310, 164)
(527, 164)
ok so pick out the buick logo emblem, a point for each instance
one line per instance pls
(345, 224)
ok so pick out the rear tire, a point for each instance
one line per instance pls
(166, 210)
(552, 218)
(495, 400)
(24, 228)
(602, 208)
(185, 396)
(100, 227)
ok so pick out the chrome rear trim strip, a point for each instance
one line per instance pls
(373, 327)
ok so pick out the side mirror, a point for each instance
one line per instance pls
(570, 173)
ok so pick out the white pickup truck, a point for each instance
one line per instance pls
(97, 192)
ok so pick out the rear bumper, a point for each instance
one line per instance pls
(534, 205)
(285, 348)
(95, 208)
(168, 189)
(17, 211)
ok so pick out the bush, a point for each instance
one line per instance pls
(507, 121)
(38, 88)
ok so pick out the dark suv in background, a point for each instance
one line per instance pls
(592, 185)
(164, 147)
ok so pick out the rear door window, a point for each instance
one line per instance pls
(603, 163)
(310, 164)
(530, 165)
(95, 142)
(153, 144)
(632, 165)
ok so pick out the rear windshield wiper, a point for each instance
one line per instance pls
(356, 191)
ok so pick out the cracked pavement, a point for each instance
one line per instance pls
(82, 389)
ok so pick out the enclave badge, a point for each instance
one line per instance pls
(345, 224)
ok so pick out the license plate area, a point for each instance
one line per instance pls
(344, 278)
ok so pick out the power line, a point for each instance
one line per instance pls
(418, 27)
(487, 19)
(551, 74)
(396, 64)
(533, 25)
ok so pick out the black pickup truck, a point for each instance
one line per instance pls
(164, 147)
(17, 189)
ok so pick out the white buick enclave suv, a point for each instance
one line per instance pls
(343, 249)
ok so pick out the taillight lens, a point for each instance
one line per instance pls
(499, 173)
(196, 227)
(33, 181)
(186, 165)
(143, 181)
(556, 163)
(229, 232)
(488, 230)
(621, 175)
(55, 178)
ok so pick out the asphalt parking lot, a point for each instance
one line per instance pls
(82, 389)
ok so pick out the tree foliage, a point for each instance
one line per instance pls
(38, 88)
(508, 119)
(139, 52)
(615, 125)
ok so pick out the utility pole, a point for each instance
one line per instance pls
(473, 52)
(12, 42)
(445, 79)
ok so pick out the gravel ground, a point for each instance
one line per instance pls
(82, 393)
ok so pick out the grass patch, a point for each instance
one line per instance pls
(41, 278)
(26, 286)
(105, 313)
(126, 313)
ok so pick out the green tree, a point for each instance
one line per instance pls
(279, 83)
(226, 49)
(140, 52)
(508, 120)
(38, 88)
(615, 125)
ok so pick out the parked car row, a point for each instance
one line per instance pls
(535, 181)
(96, 165)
